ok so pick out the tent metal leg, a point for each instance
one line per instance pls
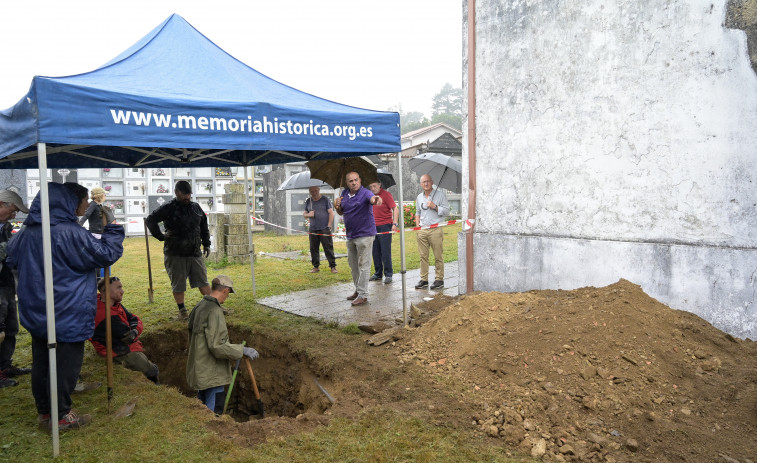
(49, 293)
(403, 270)
(250, 222)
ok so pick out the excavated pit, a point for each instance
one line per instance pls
(287, 386)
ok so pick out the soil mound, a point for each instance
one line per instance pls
(593, 374)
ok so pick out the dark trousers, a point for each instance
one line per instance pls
(382, 251)
(323, 238)
(69, 358)
(9, 324)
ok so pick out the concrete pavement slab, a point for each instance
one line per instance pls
(330, 303)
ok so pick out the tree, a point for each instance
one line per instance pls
(413, 120)
(449, 100)
(447, 107)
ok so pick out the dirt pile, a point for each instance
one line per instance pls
(594, 374)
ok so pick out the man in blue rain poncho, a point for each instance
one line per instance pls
(76, 254)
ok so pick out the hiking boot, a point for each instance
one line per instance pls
(81, 386)
(387, 280)
(73, 421)
(360, 301)
(437, 284)
(421, 284)
(12, 371)
(353, 297)
(6, 382)
(315, 270)
(333, 270)
(183, 315)
(374, 277)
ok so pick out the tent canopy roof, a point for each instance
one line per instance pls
(173, 99)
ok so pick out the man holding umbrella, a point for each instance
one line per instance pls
(318, 210)
(430, 206)
(355, 205)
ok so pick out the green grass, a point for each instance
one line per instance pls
(168, 426)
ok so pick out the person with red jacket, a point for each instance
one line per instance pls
(125, 328)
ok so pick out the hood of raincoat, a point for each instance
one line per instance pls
(76, 255)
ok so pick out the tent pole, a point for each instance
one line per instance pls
(250, 222)
(49, 293)
(403, 270)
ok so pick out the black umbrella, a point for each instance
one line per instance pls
(386, 178)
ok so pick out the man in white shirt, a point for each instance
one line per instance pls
(430, 207)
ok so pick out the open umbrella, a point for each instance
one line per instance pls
(300, 180)
(333, 171)
(386, 178)
(445, 171)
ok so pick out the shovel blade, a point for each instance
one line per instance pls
(261, 411)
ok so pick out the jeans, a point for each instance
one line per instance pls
(209, 398)
(68, 361)
(382, 251)
(359, 258)
(323, 238)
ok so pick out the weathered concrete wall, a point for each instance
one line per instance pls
(619, 136)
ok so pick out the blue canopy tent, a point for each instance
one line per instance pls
(176, 99)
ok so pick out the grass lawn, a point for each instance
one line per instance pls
(168, 426)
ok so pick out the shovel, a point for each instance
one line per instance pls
(261, 412)
(233, 380)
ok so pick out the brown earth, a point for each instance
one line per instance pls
(593, 374)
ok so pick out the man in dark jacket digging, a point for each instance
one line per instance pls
(210, 352)
(125, 329)
(76, 254)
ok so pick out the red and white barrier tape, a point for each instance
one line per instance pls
(467, 225)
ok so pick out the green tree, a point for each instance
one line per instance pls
(410, 121)
(449, 102)
(453, 120)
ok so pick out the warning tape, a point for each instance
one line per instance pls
(467, 225)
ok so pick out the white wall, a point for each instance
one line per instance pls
(622, 127)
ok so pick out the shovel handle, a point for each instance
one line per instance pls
(252, 377)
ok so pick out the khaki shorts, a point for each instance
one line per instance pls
(180, 268)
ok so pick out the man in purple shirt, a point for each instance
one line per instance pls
(355, 204)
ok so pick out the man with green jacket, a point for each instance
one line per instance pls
(210, 352)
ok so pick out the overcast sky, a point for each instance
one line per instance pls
(369, 54)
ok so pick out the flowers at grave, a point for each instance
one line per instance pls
(159, 172)
(307, 224)
(210, 202)
(223, 171)
(118, 204)
(208, 186)
(408, 214)
(161, 189)
(107, 187)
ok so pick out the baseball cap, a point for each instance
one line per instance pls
(11, 197)
(225, 281)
